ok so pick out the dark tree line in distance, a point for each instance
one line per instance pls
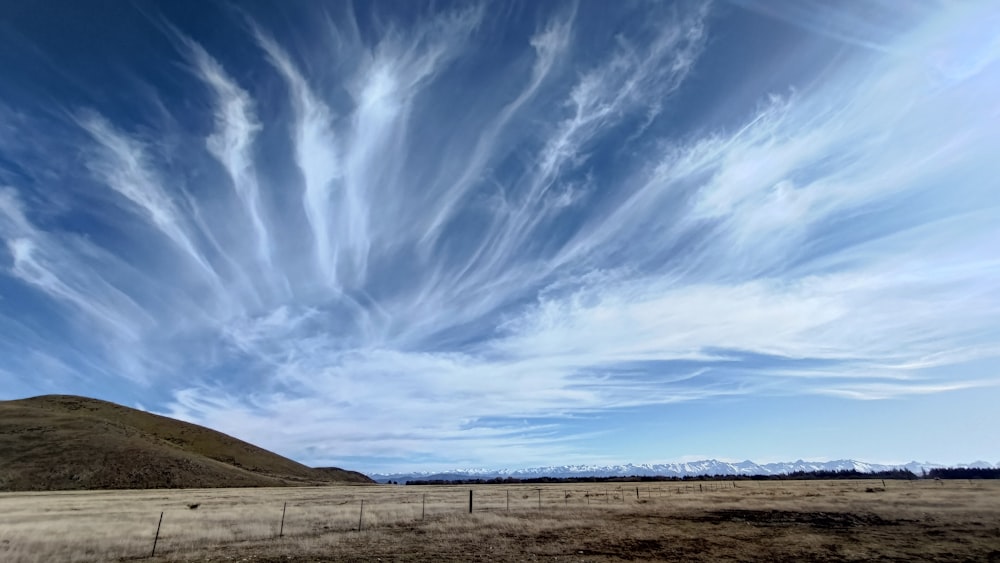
(964, 473)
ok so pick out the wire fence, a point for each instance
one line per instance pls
(141, 524)
(372, 508)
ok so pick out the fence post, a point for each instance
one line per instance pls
(361, 515)
(508, 500)
(157, 537)
(281, 530)
(423, 506)
(470, 501)
(539, 499)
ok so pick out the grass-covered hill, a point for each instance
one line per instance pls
(62, 442)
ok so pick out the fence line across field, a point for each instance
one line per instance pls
(435, 503)
(129, 524)
(384, 506)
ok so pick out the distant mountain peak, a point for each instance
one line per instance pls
(674, 469)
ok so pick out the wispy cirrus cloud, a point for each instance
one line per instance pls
(61, 269)
(120, 163)
(422, 235)
(236, 129)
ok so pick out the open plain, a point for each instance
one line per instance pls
(690, 521)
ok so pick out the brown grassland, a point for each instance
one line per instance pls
(753, 521)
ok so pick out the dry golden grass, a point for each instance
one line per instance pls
(778, 521)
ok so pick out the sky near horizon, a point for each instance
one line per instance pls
(396, 236)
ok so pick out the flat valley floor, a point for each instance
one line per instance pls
(843, 520)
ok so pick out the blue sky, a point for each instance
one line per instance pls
(397, 235)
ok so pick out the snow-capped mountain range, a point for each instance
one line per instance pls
(704, 467)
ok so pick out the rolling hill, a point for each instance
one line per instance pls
(62, 442)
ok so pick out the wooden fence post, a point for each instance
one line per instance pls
(361, 515)
(157, 537)
(470, 501)
(423, 506)
(281, 530)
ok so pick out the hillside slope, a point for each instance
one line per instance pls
(59, 442)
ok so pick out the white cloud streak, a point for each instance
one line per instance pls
(59, 268)
(232, 144)
(121, 165)
(315, 155)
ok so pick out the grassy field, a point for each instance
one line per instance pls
(775, 520)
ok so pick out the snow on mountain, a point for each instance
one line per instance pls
(704, 467)
(978, 465)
